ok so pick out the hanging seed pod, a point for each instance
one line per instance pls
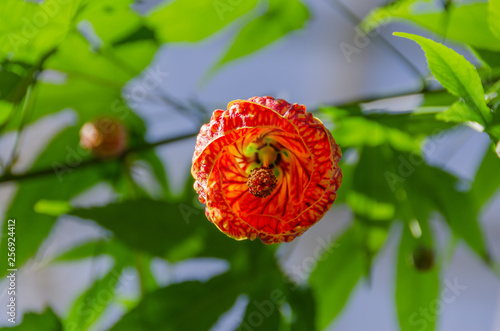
(105, 137)
(423, 258)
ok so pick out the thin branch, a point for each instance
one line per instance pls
(355, 20)
(32, 79)
(370, 98)
(92, 162)
(94, 79)
(25, 114)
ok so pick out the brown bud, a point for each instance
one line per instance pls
(105, 137)
(423, 258)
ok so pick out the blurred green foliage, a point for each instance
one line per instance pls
(98, 46)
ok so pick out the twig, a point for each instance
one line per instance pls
(92, 162)
(25, 114)
(356, 21)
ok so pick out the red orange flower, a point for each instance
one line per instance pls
(265, 168)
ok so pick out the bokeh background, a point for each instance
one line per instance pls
(173, 79)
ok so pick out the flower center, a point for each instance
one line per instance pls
(261, 182)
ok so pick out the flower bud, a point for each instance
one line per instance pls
(423, 258)
(105, 137)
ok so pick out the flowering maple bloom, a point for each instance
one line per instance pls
(265, 168)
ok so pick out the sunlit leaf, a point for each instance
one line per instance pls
(6, 109)
(460, 112)
(466, 23)
(31, 30)
(110, 66)
(112, 20)
(383, 14)
(455, 73)
(403, 130)
(52, 207)
(92, 82)
(494, 16)
(439, 98)
(281, 18)
(199, 20)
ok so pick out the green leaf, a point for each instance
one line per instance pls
(12, 85)
(488, 58)
(141, 33)
(438, 98)
(466, 23)
(455, 73)
(264, 308)
(32, 321)
(199, 20)
(64, 183)
(52, 207)
(93, 249)
(92, 303)
(418, 123)
(487, 182)
(164, 222)
(494, 16)
(112, 20)
(384, 14)
(366, 206)
(282, 17)
(6, 109)
(462, 217)
(31, 30)
(157, 168)
(90, 249)
(303, 306)
(173, 307)
(460, 112)
(336, 275)
(404, 131)
(93, 82)
(109, 66)
(416, 291)
(359, 131)
(88, 99)
(371, 197)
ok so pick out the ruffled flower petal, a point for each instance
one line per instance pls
(265, 169)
